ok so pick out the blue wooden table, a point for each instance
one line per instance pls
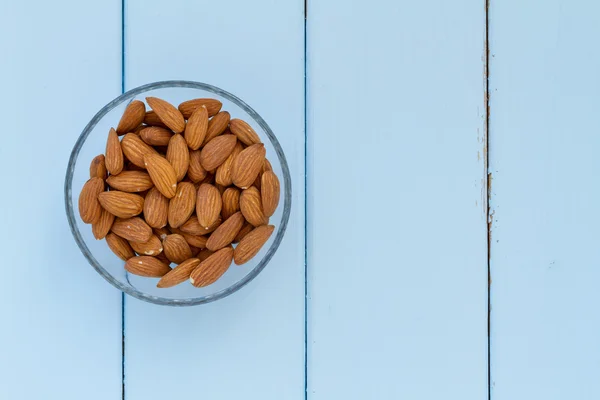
(443, 242)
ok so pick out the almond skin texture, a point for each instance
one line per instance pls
(211, 269)
(133, 229)
(251, 244)
(216, 126)
(152, 247)
(246, 229)
(267, 166)
(216, 151)
(151, 119)
(182, 205)
(231, 202)
(180, 273)
(196, 241)
(196, 172)
(251, 206)
(213, 106)
(101, 228)
(135, 149)
(196, 128)
(98, 167)
(193, 227)
(161, 256)
(147, 266)
(176, 248)
(226, 232)
(247, 165)
(162, 173)
(89, 205)
(114, 154)
(156, 208)
(204, 254)
(130, 181)
(269, 190)
(223, 174)
(162, 233)
(178, 156)
(167, 113)
(244, 132)
(208, 205)
(121, 204)
(156, 136)
(132, 117)
(119, 246)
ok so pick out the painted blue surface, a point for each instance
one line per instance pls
(397, 250)
(544, 143)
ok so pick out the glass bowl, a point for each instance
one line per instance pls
(92, 142)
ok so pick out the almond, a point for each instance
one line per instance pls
(196, 172)
(121, 204)
(129, 166)
(204, 254)
(147, 266)
(267, 166)
(216, 151)
(211, 269)
(151, 119)
(161, 256)
(231, 202)
(176, 248)
(167, 113)
(193, 227)
(209, 178)
(152, 247)
(251, 244)
(98, 167)
(223, 174)
(226, 232)
(269, 190)
(135, 149)
(197, 241)
(133, 229)
(119, 246)
(195, 250)
(196, 128)
(213, 106)
(89, 207)
(178, 156)
(251, 206)
(208, 205)
(132, 117)
(162, 173)
(114, 154)
(155, 135)
(216, 126)
(162, 233)
(130, 181)
(247, 165)
(247, 228)
(180, 273)
(156, 208)
(182, 205)
(244, 132)
(101, 227)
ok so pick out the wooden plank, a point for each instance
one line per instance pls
(544, 142)
(397, 262)
(61, 322)
(251, 344)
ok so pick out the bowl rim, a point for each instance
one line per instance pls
(130, 290)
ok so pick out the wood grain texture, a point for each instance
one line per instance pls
(544, 142)
(249, 345)
(61, 322)
(397, 256)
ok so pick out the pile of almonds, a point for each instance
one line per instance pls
(182, 186)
